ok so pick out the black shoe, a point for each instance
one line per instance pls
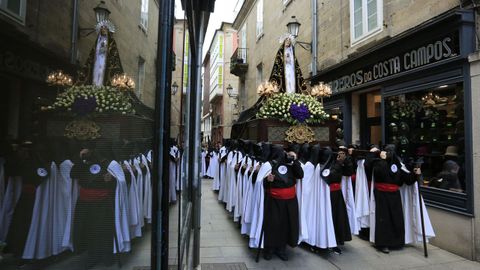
(267, 255)
(385, 250)
(282, 255)
(337, 250)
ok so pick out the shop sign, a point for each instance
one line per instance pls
(11, 62)
(432, 52)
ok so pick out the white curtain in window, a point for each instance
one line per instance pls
(144, 14)
(259, 17)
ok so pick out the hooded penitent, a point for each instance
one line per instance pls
(281, 205)
(388, 175)
(304, 154)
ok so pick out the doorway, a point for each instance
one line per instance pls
(370, 118)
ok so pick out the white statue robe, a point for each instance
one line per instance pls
(289, 70)
(100, 60)
(122, 228)
(257, 207)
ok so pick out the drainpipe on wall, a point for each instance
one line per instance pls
(314, 37)
(73, 49)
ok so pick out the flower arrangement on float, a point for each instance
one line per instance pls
(86, 99)
(293, 108)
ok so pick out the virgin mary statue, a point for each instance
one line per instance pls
(286, 74)
(104, 60)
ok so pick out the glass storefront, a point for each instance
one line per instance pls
(428, 127)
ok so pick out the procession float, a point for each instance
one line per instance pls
(100, 103)
(287, 110)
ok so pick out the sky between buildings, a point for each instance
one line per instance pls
(225, 11)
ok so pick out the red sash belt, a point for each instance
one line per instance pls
(282, 193)
(29, 189)
(335, 186)
(94, 194)
(354, 177)
(384, 187)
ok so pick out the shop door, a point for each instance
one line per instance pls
(370, 117)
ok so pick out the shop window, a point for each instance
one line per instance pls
(428, 129)
(336, 114)
(144, 15)
(15, 9)
(259, 19)
(366, 18)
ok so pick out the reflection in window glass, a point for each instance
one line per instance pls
(336, 114)
(76, 142)
(428, 128)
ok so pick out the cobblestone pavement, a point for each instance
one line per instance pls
(221, 242)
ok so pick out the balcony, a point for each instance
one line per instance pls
(238, 62)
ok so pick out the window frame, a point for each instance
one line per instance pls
(141, 77)
(20, 18)
(450, 201)
(144, 7)
(365, 33)
(259, 21)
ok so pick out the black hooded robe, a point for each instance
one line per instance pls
(94, 227)
(339, 209)
(281, 215)
(23, 212)
(389, 222)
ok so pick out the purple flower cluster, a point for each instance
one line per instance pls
(299, 112)
(82, 106)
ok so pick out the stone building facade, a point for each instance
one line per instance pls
(223, 107)
(377, 55)
(177, 78)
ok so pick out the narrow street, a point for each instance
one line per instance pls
(221, 242)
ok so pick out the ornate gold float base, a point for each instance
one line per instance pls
(300, 133)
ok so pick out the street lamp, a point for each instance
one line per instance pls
(101, 15)
(174, 88)
(293, 28)
(101, 12)
(231, 92)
